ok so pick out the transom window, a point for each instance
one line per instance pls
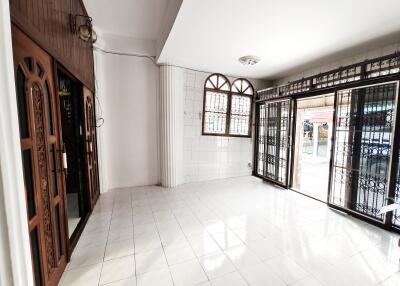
(227, 108)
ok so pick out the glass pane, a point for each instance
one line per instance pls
(39, 70)
(214, 123)
(216, 102)
(239, 125)
(29, 63)
(47, 99)
(37, 269)
(214, 79)
(53, 169)
(58, 231)
(22, 106)
(363, 148)
(241, 105)
(225, 87)
(216, 107)
(29, 185)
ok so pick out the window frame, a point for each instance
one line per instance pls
(229, 94)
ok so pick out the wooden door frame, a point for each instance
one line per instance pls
(41, 113)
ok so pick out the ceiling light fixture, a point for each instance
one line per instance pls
(249, 60)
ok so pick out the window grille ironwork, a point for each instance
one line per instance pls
(272, 140)
(396, 214)
(369, 69)
(217, 88)
(240, 113)
(227, 108)
(365, 121)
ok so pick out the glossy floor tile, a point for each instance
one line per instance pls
(238, 231)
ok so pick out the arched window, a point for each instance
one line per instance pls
(227, 109)
(215, 106)
(240, 112)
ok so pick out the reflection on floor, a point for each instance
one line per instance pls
(315, 177)
(238, 231)
(73, 212)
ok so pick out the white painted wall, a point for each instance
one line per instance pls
(15, 258)
(127, 88)
(211, 157)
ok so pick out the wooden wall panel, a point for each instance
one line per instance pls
(47, 23)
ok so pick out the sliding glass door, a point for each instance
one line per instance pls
(272, 141)
(365, 123)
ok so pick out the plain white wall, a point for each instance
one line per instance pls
(127, 88)
(15, 257)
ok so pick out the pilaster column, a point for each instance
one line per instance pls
(172, 124)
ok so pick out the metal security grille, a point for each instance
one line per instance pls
(365, 120)
(240, 115)
(215, 112)
(260, 133)
(396, 214)
(272, 140)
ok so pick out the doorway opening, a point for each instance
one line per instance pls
(313, 145)
(70, 98)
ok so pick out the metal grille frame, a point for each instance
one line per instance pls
(361, 169)
(379, 68)
(272, 158)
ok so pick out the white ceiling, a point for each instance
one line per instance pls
(211, 35)
(141, 19)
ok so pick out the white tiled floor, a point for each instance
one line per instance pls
(238, 231)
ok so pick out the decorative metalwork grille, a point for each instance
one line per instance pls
(240, 113)
(260, 125)
(362, 148)
(227, 109)
(396, 214)
(273, 135)
(217, 88)
(380, 67)
(215, 112)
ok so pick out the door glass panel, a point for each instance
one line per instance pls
(47, 99)
(396, 214)
(365, 120)
(21, 102)
(29, 187)
(37, 268)
(277, 121)
(29, 63)
(53, 169)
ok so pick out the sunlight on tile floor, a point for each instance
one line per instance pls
(238, 231)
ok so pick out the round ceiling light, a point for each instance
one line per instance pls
(249, 60)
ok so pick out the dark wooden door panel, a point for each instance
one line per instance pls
(47, 23)
(40, 141)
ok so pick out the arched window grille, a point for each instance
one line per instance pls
(215, 109)
(227, 109)
(242, 93)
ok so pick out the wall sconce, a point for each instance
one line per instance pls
(85, 31)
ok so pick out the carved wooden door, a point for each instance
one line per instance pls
(41, 160)
(92, 169)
